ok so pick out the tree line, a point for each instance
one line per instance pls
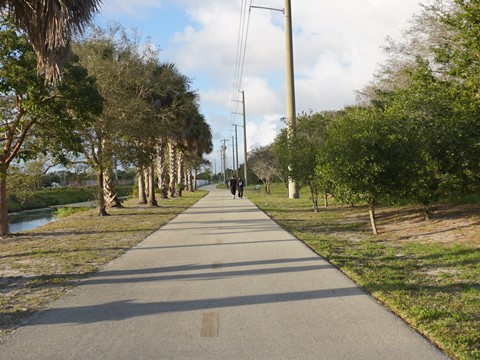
(116, 103)
(414, 133)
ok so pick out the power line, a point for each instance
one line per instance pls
(239, 45)
(241, 53)
(244, 50)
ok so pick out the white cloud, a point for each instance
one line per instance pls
(337, 49)
(260, 98)
(263, 124)
(263, 132)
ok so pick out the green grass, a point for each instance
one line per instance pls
(433, 285)
(39, 199)
(68, 211)
(38, 266)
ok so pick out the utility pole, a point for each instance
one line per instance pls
(244, 141)
(245, 180)
(236, 150)
(224, 149)
(215, 167)
(234, 169)
(222, 172)
(290, 90)
(290, 84)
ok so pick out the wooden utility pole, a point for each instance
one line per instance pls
(244, 141)
(290, 90)
(290, 83)
(236, 150)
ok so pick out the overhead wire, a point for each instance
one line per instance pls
(241, 53)
(241, 26)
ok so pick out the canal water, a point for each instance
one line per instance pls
(30, 219)
(27, 220)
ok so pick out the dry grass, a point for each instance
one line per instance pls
(38, 266)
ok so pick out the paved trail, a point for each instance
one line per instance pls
(221, 281)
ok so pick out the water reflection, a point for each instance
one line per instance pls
(28, 220)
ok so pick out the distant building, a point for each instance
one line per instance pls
(202, 183)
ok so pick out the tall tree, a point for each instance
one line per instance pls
(431, 81)
(178, 105)
(442, 132)
(36, 117)
(123, 75)
(197, 141)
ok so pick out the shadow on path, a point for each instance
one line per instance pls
(121, 310)
(204, 276)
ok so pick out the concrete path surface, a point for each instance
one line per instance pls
(221, 281)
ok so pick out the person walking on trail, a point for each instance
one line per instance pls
(232, 183)
(240, 187)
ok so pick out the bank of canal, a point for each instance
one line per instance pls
(31, 219)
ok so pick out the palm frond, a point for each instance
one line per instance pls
(49, 25)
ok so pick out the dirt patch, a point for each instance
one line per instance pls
(450, 224)
(440, 272)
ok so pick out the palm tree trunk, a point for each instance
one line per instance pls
(111, 197)
(146, 175)
(101, 199)
(142, 196)
(161, 171)
(152, 201)
(171, 168)
(193, 180)
(180, 184)
(186, 177)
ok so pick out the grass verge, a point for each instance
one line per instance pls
(38, 266)
(427, 272)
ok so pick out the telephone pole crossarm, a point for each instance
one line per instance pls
(267, 8)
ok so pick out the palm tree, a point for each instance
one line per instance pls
(195, 140)
(199, 143)
(49, 25)
(177, 103)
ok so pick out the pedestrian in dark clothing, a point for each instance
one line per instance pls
(240, 188)
(232, 183)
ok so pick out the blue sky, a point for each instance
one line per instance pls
(337, 49)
